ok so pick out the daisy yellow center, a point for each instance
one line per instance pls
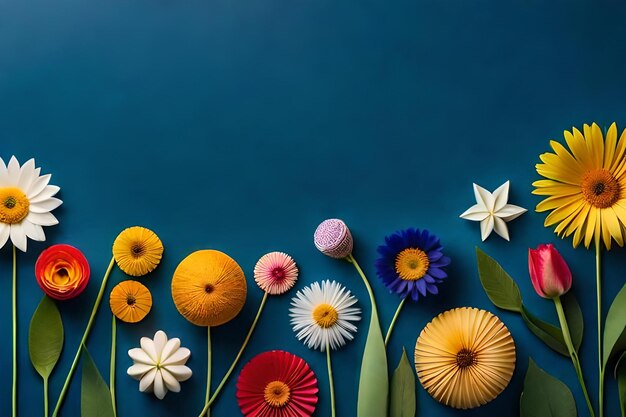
(277, 394)
(600, 188)
(412, 264)
(14, 205)
(465, 358)
(325, 315)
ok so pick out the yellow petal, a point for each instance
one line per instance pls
(563, 212)
(610, 221)
(591, 225)
(555, 173)
(562, 165)
(595, 144)
(558, 188)
(609, 147)
(576, 143)
(566, 156)
(618, 159)
(556, 202)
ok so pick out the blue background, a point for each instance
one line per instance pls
(240, 126)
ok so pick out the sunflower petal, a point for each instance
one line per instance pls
(609, 146)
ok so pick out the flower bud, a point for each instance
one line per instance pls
(549, 273)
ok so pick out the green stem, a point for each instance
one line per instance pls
(572, 351)
(353, 261)
(14, 298)
(207, 409)
(83, 341)
(237, 358)
(330, 381)
(599, 304)
(393, 321)
(112, 368)
(45, 397)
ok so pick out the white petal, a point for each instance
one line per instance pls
(170, 347)
(147, 380)
(13, 170)
(147, 345)
(18, 237)
(38, 186)
(501, 196)
(42, 219)
(159, 386)
(138, 370)
(4, 175)
(170, 382)
(178, 358)
(138, 355)
(510, 212)
(475, 213)
(34, 231)
(483, 197)
(45, 206)
(500, 228)
(486, 227)
(27, 175)
(180, 372)
(46, 193)
(160, 339)
(5, 232)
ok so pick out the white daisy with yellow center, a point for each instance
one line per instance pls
(324, 315)
(26, 201)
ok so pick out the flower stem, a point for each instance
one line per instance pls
(14, 302)
(330, 381)
(599, 304)
(393, 321)
(353, 261)
(572, 351)
(207, 409)
(83, 341)
(237, 358)
(45, 397)
(112, 368)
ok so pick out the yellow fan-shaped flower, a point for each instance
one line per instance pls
(130, 301)
(465, 357)
(137, 251)
(209, 288)
(585, 186)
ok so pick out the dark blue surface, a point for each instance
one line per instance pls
(240, 126)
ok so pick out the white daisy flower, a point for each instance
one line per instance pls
(159, 364)
(323, 315)
(26, 201)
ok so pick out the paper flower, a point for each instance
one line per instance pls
(276, 273)
(493, 211)
(277, 384)
(209, 288)
(26, 201)
(324, 315)
(465, 357)
(411, 263)
(584, 186)
(137, 251)
(130, 301)
(159, 365)
(62, 272)
(332, 237)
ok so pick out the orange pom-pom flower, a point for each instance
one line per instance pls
(62, 272)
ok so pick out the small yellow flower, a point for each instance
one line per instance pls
(137, 251)
(130, 301)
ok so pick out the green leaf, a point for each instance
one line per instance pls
(95, 397)
(574, 317)
(620, 375)
(402, 399)
(45, 337)
(549, 334)
(614, 326)
(545, 396)
(374, 379)
(499, 286)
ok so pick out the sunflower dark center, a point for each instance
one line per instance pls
(600, 188)
(131, 300)
(465, 358)
(137, 250)
(209, 288)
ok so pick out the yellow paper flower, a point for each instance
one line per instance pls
(465, 357)
(209, 288)
(585, 186)
(137, 251)
(130, 301)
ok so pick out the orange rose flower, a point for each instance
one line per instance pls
(62, 272)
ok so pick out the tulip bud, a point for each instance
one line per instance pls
(549, 273)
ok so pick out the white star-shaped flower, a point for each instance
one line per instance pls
(159, 364)
(493, 211)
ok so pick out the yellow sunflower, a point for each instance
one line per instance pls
(585, 186)
(137, 251)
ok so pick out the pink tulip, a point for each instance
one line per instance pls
(549, 273)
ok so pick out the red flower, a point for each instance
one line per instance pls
(549, 273)
(62, 272)
(277, 384)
